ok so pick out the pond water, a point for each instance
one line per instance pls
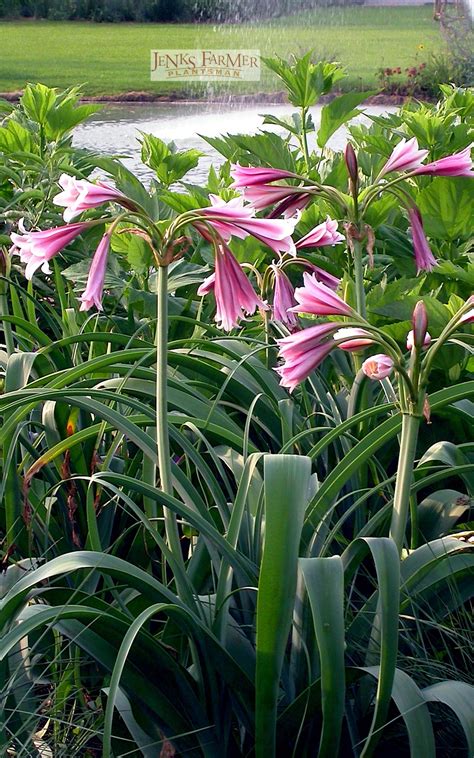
(115, 129)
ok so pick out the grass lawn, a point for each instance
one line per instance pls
(115, 58)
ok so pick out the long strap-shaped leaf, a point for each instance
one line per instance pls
(324, 579)
(286, 482)
(385, 628)
(410, 701)
(459, 696)
(209, 746)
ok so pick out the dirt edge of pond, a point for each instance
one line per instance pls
(250, 99)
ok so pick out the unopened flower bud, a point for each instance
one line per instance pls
(4, 262)
(351, 163)
(378, 366)
(357, 339)
(420, 325)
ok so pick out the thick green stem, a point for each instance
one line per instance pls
(361, 306)
(162, 438)
(304, 139)
(401, 500)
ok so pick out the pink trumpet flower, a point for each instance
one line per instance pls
(303, 352)
(79, 195)
(290, 206)
(232, 290)
(207, 286)
(37, 248)
(424, 258)
(314, 297)
(250, 176)
(378, 366)
(354, 339)
(324, 276)
(323, 234)
(411, 340)
(458, 164)
(406, 156)
(234, 219)
(283, 299)
(290, 199)
(93, 292)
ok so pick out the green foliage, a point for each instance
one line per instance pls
(304, 80)
(169, 165)
(287, 616)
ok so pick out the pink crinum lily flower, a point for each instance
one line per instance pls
(378, 366)
(406, 156)
(79, 195)
(316, 298)
(250, 176)
(354, 338)
(458, 164)
(234, 219)
(283, 299)
(255, 182)
(303, 352)
(289, 200)
(233, 292)
(323, 234)
(92, 295)
(424, 258)
(37, 248)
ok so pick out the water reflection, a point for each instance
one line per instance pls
(115, 129)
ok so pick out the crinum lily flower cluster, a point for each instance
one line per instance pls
(222, 221)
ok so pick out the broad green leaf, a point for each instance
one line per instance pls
(324, 579)
(383, 643)
(411, 703)
(340, 110)
(439, 512)
(446, 206)
(286, 483)
(458, 696)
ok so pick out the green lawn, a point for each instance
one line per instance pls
(114, 58)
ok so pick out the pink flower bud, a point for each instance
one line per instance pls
(420, 325)
(411, 341)
(378, 366)
(351, 163)
(354, 339)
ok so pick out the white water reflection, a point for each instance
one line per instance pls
(115, 129)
